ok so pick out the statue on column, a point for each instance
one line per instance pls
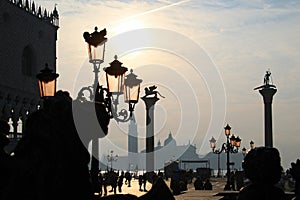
(267, 79)
(152, 91)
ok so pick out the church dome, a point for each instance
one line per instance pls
(170, 140)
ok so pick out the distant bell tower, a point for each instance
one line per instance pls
(132, 142)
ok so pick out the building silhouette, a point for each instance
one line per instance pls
(170, 151)
(28, 40)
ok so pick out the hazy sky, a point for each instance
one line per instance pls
(205, 57)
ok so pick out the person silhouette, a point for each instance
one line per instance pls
(263, 168)
(50, 161)
(198, 184)
(5, 170)
(295, 172)
(120, 181)
(207, 184)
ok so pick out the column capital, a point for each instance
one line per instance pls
(268, 94)
(149, 101)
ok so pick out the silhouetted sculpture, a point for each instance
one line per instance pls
(295, 172)
(267, 78)
(151, 91)
(262, 167)
(50, 161)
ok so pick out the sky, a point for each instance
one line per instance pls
(206, 57)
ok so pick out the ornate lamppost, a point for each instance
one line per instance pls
(106, 106)
(111, 158)
(231, 145)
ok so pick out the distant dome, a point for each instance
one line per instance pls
(170, 140)
(159, 143)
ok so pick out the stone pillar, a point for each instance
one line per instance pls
(268, 94)
(150, 102)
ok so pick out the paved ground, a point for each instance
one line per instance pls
(190, 194)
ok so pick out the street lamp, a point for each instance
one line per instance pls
(47, 82)
(244, 150)
(212, 142)
(251, 144)
(111, 158)
(231, 146)
(105, 99)
(116, 85)
(115, 81)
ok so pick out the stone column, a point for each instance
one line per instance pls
(268, 94)
(150, 102)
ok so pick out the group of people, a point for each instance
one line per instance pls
(199, 184)
(116, 180)
(113, 179)
(143, 182)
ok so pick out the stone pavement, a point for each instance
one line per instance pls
(190, 194)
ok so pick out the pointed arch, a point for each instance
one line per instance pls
(28, 61)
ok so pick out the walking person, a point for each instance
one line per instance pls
(145, 181)
(140, 182)
(120, 181)
(128, 178)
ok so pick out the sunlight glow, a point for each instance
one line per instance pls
(128, 25)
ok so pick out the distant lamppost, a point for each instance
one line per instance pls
(212, 142)
(251, 144)
(111, 158)
(244, 150)
(231, 146)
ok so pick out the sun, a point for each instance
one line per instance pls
(127, 25)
